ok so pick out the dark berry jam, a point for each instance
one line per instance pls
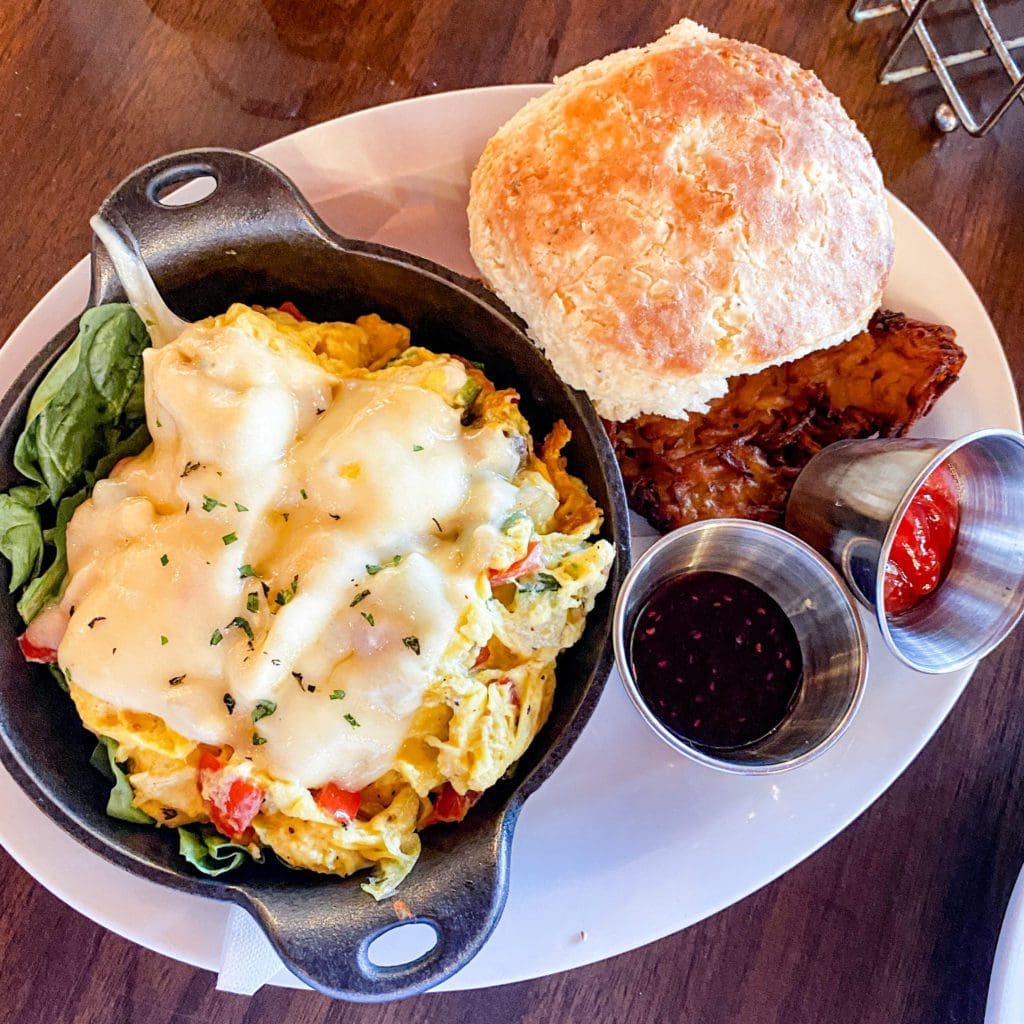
(716, 659)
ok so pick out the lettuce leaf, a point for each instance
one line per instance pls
(92, 397)
(119, 804)
(210, 852)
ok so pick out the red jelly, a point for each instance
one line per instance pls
(924, 542)
(716, 659)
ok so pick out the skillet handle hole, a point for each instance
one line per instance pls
(180, 187)
(402, 944)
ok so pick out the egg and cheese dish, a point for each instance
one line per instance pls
(322, 609)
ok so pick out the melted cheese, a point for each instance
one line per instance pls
(262, 459)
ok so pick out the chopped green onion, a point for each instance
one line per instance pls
(215, 637)
(164, 559)
(176, 680)
(359, 597)
(338, 695)
(229, 703)
(163, 641)
(368, 617)
(209, 504)
(467, 394)
(412, 642)
(246, 570)
(258, 740)
(252, 602)
(240, 507)
(305, 496)
(229, 538)
(351, 721)
(417, 447)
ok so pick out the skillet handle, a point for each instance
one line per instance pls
(324, 934)
(252, 203)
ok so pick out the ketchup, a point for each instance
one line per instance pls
(925, 537)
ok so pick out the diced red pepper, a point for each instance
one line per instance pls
(451, 806)
(530, 562)
(39, 655)
(341, 804)
(291, 309)
(237, 804)
(482, 657)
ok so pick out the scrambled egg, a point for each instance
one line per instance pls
(492, 682)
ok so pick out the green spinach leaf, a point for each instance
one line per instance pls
(95, 387)
(21, 532)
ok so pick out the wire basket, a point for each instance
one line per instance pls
(958, 110)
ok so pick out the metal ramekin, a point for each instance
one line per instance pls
(848, 503)
(807, 589)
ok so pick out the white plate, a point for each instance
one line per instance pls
(1005, 1004)
(685, 841)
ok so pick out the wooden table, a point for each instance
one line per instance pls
(896, 919)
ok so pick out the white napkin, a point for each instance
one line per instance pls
(247, 960)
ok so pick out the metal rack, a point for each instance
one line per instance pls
(957, 110)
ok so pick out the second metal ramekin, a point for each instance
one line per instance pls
(811, 594)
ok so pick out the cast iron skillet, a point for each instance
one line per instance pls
(254, 239)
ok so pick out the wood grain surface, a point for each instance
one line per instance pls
(895, 920)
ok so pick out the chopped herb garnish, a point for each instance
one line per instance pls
(215, 637)
(311, 688)
(512, 519)
(246, 570)
(164, 559)
(176, 680)
(337, 695)
(284, 596)
(437, 524)
(263, 709)
(242, 624)
(229, 703)
(190, 467)
(368, 617)
(99, 618)
(412, 642)
(334, 515)
(351, 721)
(297, 676)
(372, 570)
(209, 504)
(252, 602)
(163, 641)
(240, 507)
(229, 538)
(417, 447)
(258, 740)
(359, 597)
(305, 496)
